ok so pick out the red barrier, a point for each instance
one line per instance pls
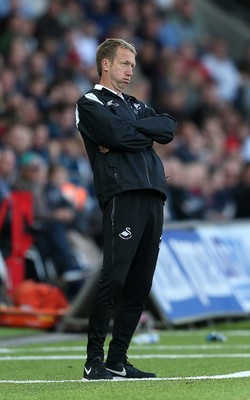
(21, 240)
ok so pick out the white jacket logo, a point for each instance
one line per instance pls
(111, 103)
(126, 234)
(136, 107)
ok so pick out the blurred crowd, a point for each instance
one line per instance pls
(47, 61)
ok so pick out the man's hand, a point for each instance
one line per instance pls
(103, 149)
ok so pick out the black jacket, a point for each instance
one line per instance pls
(128, 128)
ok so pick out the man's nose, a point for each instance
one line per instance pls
(130, 71)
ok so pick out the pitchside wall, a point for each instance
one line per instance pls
(203, 272)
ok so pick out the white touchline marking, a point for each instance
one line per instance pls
(209, 346)
(241, 374)
(135, 356)
(242, 332)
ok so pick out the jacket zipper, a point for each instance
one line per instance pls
(115, 172)
(144, 158)
(130, 109)
(113, 229)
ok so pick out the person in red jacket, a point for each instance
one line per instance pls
(118, 131)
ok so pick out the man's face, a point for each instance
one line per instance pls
(7, 163)
(120, 71)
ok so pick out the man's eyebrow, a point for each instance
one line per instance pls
(129, 62)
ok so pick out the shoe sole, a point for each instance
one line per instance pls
(97, 380)
(118, 377)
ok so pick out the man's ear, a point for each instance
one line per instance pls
(105, 65)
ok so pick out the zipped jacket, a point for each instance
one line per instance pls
(128, 128)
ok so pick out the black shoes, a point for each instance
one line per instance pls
(95, 370)
(126, 370)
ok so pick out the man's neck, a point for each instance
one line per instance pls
(99, 86)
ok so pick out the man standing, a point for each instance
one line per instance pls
(118, 131)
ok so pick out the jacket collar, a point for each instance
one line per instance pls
(104, 88)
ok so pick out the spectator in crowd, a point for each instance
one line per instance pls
(191, 144)
(74, 158)
(244, 96)
(242, 193)
(40, 141)
(245, 147)
(231, 168)
(222, 69)
(18, 138)
(195, 181)
(7, 171)
(85, 43)
(101, 12)
(129, 13)
(208, 105)
(234, 129)
(212, 131)
(177, 194)
(181, 26)
(48, 24)
(219, 205)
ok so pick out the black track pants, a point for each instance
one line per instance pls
(132, 227)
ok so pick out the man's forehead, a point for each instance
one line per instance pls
(125, 53)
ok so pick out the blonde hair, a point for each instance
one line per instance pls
(108, 49)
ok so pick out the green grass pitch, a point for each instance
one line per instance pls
(188, 367)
